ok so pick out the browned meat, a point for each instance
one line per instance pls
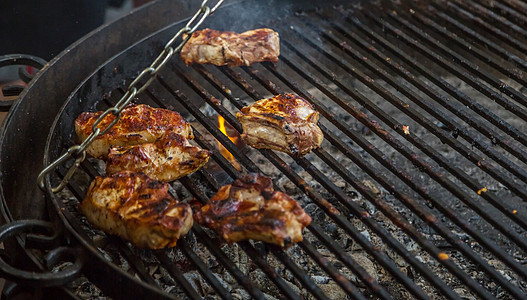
(233, 49)
(138, 124)
(168, 159)
(251, 209)
(285, 123)
(137, 209)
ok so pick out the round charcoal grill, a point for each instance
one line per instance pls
(417, 191)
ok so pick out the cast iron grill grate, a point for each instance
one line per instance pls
(419, 187)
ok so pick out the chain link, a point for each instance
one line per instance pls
(78, 152)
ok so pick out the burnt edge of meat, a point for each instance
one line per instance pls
(236, 219)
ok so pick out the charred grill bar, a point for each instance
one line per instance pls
(371, 70)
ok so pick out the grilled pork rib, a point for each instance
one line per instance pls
(285, 123)
(249, 208)
(138, 124)
(137, 209)
(232, 49)
(168, 159)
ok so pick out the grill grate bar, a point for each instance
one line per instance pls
(330, 269)
(480, 54)
(133, 259)
(498, 175)
(506, 11)
(512, 107)
(423, 242)
(366, 278)
(256, 257)
(204, 270)
(460, 96)
(432, 93)
(176, 273)
(488, 27)
(298, 272)
(382, 258)
(410, 202)
(517, 5)
(429, 109)
(467, 180)
(492, 16)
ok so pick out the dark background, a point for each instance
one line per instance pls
(44, 28)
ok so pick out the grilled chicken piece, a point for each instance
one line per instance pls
(251, 209)
(138, 124)
(169, 158)
(285, 123)
(233, 49)
(137, 209)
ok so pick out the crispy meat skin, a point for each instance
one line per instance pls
(138, 124)
(168, 159)
(285, 123)
(251, 209)
(230, 48)
(137, 209)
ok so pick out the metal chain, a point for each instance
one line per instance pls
(146, 76)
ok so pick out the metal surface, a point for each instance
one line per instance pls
(425, 114)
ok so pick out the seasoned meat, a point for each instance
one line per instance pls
(169, 158)
(249, 208)
(138, 124)
(285, 123)
(138, 209)
(229, 48)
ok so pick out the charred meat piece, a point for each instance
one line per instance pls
(169, 158)
(138, 209)
(232, 49)
(285, 123)
(138, 124)
(249, 208)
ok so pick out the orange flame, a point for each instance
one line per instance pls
(223, 150)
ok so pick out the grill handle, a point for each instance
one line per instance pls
(41, 235)
(18, 59)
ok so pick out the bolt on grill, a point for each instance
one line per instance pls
(423, 165)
